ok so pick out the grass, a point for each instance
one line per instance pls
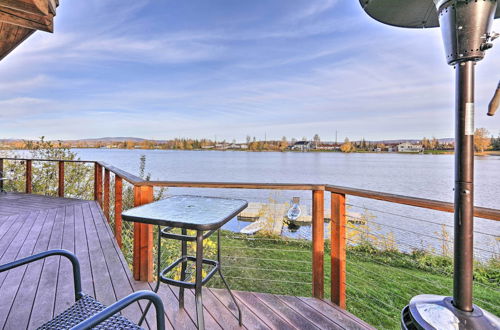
(379, 283)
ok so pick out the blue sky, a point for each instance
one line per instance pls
(199, 68)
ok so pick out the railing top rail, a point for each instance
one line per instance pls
(241, 185)
(50, 160)
(481, 212)
(133, 179)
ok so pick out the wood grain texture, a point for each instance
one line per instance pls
(105, 207)
(318, 244)
(338, 249)
(29, 176)
(480, 212)
(236, 185)
(98, 183)
(37, 7)
(34, 293)
(1, 174)
(118, 209)
(135, 180)
(143, 238)
(27, 20)
(60, 189)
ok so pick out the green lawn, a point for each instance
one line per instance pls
(379, 284)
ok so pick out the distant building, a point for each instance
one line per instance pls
(327, 146)
(222, 146)
(409, 147)
(302, 146)
(238, 146)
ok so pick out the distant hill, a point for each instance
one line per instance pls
(111, 139)
(135, 139)
(103, 139)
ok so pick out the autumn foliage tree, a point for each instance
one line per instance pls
(482, 140)
(347, 146)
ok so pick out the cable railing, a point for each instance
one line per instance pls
(367, 257)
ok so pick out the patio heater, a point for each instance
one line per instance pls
(465, 26)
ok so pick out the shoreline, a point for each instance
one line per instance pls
(428, 152)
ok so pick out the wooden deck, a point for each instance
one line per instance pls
(31, 295)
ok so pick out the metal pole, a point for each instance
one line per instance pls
(464, 193)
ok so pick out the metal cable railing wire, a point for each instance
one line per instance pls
(266, 279)
(352, 275)
(424, 279)
(442, 239)
(406, 272)
(365, 270)
(413, 218)
(353, 287)
(267, 259)
(269, 270)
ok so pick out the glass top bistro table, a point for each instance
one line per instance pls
(204, 215)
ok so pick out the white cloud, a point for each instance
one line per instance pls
(313, 73)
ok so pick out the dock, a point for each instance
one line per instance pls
(274, 214)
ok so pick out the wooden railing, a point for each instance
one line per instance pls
(143, 233)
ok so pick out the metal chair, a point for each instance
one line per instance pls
(86, 312)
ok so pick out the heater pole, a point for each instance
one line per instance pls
(464, 186)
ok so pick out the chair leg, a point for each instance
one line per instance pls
(199, 278)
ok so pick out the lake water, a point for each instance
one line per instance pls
(426, 176)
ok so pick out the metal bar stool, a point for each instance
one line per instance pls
(205, 215)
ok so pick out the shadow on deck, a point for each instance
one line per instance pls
(33, 294)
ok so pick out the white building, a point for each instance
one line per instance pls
(302, 145)
(409, 147)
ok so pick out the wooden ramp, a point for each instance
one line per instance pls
(32, 294)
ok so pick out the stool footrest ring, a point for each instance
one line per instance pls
(183, 284)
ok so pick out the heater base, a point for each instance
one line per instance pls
(437, 312)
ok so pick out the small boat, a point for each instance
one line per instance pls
(254, 227)
(294, 211)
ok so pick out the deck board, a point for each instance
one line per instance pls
(23, 302)
(32, 294)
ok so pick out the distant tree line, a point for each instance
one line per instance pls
(482, 142)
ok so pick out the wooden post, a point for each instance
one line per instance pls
(60, 189)
(318, 243)
(29, 177)
(1, 174)
(106, 193)
(98, 183)
(338, 246)
(118, 210)
(96, 171)
(143, 238)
